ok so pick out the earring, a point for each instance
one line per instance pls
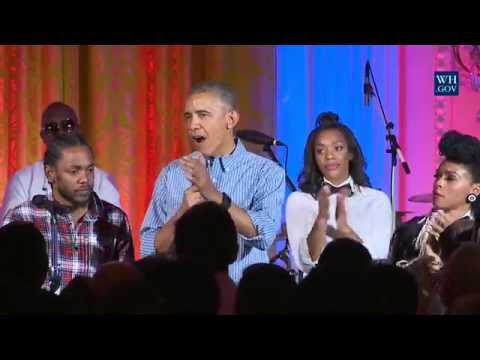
(471, 198)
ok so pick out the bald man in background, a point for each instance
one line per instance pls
(58, 118)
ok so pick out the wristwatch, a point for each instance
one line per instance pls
(226, 201)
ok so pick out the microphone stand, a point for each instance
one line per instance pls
(394, 149)
(283, 255)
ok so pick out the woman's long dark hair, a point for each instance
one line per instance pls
(465, 150)
(311, 178)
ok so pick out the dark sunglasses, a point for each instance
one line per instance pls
(67, 125)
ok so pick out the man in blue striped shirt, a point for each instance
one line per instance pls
(251, 187)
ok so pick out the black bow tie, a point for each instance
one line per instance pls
(345, 189)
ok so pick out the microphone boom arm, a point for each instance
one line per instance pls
(268, 149)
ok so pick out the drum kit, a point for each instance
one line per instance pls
(419, 198)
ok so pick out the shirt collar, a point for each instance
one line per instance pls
(230, 160)
(468, 215)
(348, 181)
(92, 213)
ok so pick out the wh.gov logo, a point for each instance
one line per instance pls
(446, 83)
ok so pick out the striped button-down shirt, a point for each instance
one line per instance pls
(102, 234)
(254, 183)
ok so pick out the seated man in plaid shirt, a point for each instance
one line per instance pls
(81, 230)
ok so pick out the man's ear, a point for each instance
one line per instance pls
(50, 173)
(232, 119)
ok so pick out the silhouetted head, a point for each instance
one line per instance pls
(23, 256)
(206, 235)
(457, 233)
(185, 288)
(344, 254)
(265, 289)
(388, 289)
(334, 285)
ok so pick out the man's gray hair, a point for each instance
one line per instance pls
(221, 89)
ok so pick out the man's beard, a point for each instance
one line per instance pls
(75, 199)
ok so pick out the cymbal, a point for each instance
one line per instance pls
(421, 198)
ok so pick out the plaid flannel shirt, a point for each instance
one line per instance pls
(103, 234)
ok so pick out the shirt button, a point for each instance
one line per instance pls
(214, 181)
